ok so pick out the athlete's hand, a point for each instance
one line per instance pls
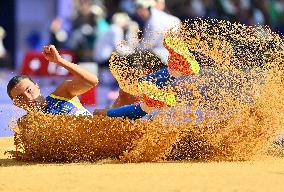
(51, 54)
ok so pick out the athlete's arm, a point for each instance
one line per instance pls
(83, 81)
(133, 111)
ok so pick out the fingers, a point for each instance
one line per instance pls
(46, 49)
(53, 50)
(51, 54)
(49, 49)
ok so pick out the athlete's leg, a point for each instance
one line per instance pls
(134, 111)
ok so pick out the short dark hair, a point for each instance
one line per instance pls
(14, 81)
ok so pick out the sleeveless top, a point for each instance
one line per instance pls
(59, 105)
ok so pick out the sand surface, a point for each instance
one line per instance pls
(108, 175)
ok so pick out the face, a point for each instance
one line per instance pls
(26, 94)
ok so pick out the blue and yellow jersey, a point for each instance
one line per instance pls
(59, 105)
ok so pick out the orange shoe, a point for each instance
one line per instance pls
(153, 103)
(180, 58)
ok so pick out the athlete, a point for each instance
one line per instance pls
(26, 94)
(64, 100)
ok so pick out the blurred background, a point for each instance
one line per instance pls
(88, 31)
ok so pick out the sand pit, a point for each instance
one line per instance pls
(240, 91)
(262, 175)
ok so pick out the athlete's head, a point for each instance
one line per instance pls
(25, 93)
